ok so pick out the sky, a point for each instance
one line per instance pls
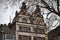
(7, 9)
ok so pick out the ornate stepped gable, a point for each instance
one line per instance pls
(37, 17)
(22, 12)
(37, 12)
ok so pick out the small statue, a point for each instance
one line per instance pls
(23, 8)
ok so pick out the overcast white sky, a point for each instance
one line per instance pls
(7, 9)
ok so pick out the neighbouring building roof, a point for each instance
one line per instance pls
(5, 29)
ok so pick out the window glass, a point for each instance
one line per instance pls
(43, 38)
(20, 28)
(38, 30)
(24, 29)
(9, 36)
(23, 37)
(37, 38)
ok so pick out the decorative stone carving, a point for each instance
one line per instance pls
(37, 12)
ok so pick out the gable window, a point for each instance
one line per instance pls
(20, 28)
(43, 38)
(24, 20)
(40, 22)
(43, 32)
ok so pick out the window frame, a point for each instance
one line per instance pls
(24, 29)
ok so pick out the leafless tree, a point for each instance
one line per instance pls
(51, 7)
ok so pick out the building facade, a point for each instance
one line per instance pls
(29, 26)
(6, 33)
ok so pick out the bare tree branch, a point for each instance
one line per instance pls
(51, 9)
(58, 5)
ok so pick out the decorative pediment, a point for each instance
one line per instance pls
(40, 21)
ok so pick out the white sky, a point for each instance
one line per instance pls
(7, 9)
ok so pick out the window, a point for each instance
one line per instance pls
(28, 29)
(38, 30)
(20, 28)
(23, 37)
(43, 32)
(43, 38)
(9, 36)
(24, 29)
(24, 20)
(39, 38)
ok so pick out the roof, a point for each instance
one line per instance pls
(6, 30)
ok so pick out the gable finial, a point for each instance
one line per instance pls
(23, 8)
